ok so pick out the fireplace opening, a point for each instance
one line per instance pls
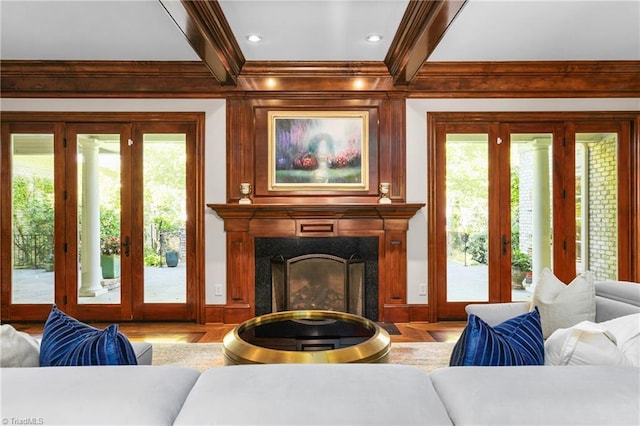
(317, 281)
(331, 273)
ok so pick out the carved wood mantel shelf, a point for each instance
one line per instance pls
(245, 222)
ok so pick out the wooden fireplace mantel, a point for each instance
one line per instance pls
(245, 222)
(336, 211)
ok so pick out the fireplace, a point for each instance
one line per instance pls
(255, 232)
(339, 274)
(317, 281)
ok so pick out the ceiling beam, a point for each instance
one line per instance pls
(421, 29)
(365, 80)
(210, 36)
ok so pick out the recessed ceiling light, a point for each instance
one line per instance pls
(254, 38)
(374, 38)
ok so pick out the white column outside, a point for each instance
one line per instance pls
(91, 275)
(541, 244)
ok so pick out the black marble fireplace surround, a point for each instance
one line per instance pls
(365, 248)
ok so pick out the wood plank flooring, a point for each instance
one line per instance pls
(182, 332)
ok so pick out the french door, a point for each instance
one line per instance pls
(101, 220)
(509, 199)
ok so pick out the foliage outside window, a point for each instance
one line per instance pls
(33, 220)
(520, 261)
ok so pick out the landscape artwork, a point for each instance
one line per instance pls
(322, 150)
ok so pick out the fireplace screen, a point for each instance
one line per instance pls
(317, 281)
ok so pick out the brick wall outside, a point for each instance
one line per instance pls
(525, 164)
(602, 209)
(602, 212)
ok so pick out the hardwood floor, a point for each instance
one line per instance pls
(178, 332)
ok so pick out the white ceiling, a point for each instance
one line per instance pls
(330, 30)
(322, 30)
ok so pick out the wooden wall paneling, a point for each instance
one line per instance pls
(261, 153)
(392, 147)
(214, 314)
(240, 147)
(396, 262)
(235, 314)
(393, 278)
(240, 268)
(259, 124)
(419, 313)
(240, 271)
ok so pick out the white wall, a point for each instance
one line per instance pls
(215, 161)
(417, 110)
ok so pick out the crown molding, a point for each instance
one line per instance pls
(537, 79)
(123, 79)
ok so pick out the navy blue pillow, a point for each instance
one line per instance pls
(517, 341)
(67, 341)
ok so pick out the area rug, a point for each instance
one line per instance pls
(425, 355)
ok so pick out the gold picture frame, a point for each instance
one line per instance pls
(318, 150)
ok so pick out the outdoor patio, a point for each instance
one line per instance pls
(166, 285)
(163, 285)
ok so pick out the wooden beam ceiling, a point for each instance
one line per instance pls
(404, 72)
(421, 29)
(207, 30)
(210, 36)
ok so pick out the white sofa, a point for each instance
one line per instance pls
(332, 394)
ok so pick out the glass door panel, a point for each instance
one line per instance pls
(99, 219)
(467, 217)
(596, 204)
(32, 212)
(531, 210)
(165, 217)
(99, 242)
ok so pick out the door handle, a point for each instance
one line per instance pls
(126, 246)
(505, 244)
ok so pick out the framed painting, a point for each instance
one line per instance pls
(318, 150)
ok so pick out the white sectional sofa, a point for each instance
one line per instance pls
(332, 394)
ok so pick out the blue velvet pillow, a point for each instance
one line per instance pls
(67, 341)
(517, 341)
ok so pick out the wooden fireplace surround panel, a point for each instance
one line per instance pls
(245, 222)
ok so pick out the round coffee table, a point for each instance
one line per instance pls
(306, 336)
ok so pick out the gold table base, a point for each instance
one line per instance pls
(374, 349)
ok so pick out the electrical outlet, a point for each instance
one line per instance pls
(218, 289)
(422, 289)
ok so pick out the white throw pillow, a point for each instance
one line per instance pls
(614, 342)
(562, 306)
(626, 329)
(18, 349)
